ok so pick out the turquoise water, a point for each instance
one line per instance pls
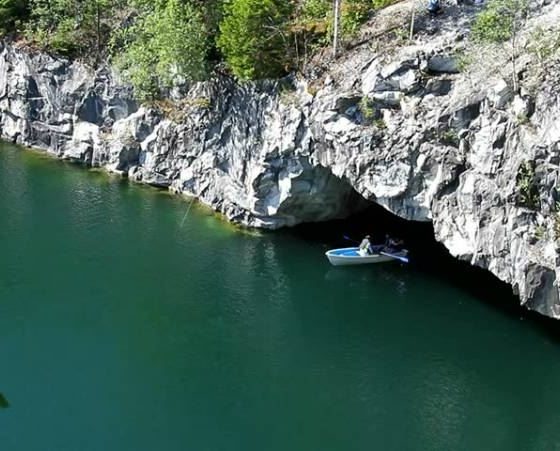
(122, 329)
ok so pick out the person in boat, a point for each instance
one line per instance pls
(393, 244)
(365, 247)
(397, 243)
(388, 244)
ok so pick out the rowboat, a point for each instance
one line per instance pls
(351, 256)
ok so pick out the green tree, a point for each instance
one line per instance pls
(168, 42)
(97, 14)
(51, 25)
(253, 37)
(11, 12)
(73, 27)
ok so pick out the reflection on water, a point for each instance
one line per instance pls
(4, 404)
(138, 333)
(390, 274)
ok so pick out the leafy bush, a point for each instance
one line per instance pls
(449, 137)
(380, 123)
(464, 60)
(544, 43)
(367, 109)
(166, 44)
(492, 26)
(317, 9)
(499, 20)
(252, 37)
(11, 13)
(354, 13)
(556, 223)
(528, 193)
(540, 232)
(72, 27)
(64, 38)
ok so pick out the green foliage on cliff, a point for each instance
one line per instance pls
(12, 12)
(72, 27)
(160, 44)
(556, 223)
(544, 43)
(168, 42)
(253, 38)
(317, 9)
(528, 192)
(500, 20)
(353, 13)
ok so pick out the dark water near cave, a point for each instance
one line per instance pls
(122, 330)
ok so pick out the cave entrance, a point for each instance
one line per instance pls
(426, 254)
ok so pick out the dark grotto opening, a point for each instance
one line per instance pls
(427, 256)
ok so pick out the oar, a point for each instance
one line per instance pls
(396, 257)
(349, 239)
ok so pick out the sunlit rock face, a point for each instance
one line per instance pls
(405, 129)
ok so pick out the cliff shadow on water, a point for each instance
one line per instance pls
(427, 257)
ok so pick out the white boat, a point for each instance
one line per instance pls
(352, 256)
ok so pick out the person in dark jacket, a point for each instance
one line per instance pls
(393, 244)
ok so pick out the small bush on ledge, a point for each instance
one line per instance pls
(528, 194)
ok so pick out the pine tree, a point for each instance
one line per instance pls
(252, 37)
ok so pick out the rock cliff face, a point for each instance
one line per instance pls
(399, 125)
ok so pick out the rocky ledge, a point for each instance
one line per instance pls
(394, 122)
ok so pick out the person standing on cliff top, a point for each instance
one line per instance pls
(434, 7)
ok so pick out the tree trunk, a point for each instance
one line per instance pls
(98, 30)
(336, 26)
(513, 60)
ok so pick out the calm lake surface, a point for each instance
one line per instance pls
(122, 329)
